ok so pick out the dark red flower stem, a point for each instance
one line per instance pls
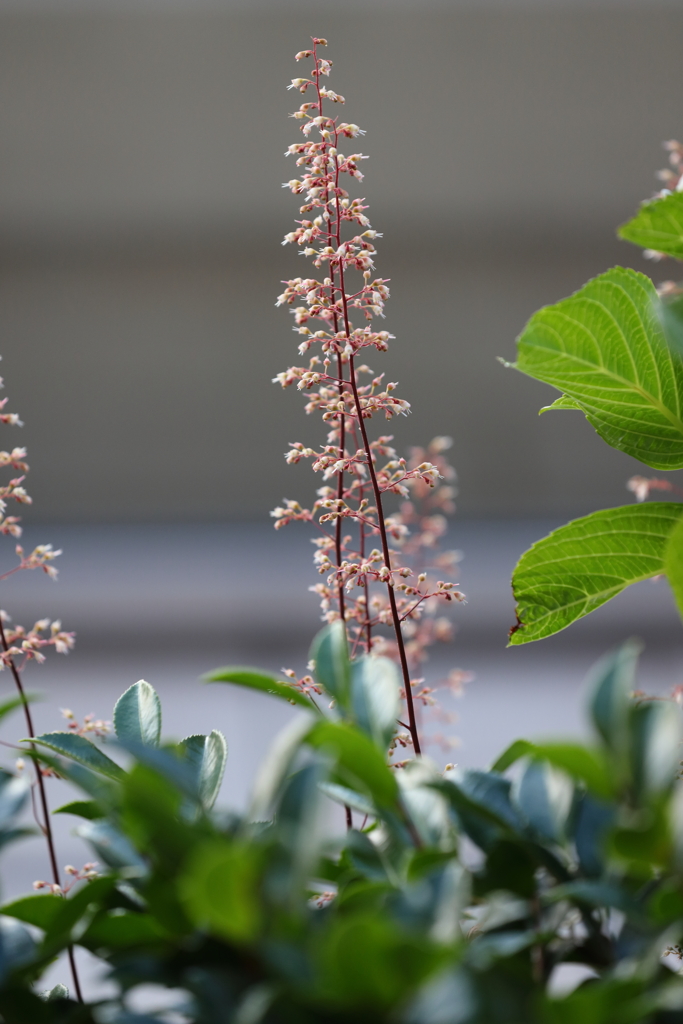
(405, 671)
(46, 825)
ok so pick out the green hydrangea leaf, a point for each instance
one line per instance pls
(563, 402)
(658, 225)
(673, 563)
(580, 566)
(606, 349)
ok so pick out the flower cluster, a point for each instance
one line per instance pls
(642, 486)
(85, 874)
(90, 726)
(381, 571)
(28, 644)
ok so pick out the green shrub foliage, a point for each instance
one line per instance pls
(467, 897)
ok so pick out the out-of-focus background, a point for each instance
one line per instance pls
(140, 220)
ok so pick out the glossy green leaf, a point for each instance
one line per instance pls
(81, 750)
(297, 826)
(88, 809)
(580, 566)
(73, 909)
(544, 796)
(330, 654)
(122, 931)
(579, 762)
(113, 847)
(219, 889)
(252, 679)
(40, 910)
(137, 715)
(656, 729)
(482, 805)
(426, 807)
(673, 563)
(517, 749)
(17, 947)
(612, 682)
(357, 759)
(276, 765)
(606, 350)
(8, 706)
(593, 820)
(658, 225)
(375, 697)
(207, 756)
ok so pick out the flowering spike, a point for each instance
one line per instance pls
(368, 589)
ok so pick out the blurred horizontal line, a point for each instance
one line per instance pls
(291, 7)
(494, 239)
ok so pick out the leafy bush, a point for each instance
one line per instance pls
(453, 900)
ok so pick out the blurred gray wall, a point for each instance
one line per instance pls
(141, 214)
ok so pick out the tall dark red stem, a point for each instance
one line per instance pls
(46, 825)
(366, 445)
(386, 553)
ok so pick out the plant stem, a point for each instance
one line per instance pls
(46, 826)
(366, 444)
(385, 549)
(340, 485)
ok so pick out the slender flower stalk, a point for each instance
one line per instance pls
(332, 379)
(21, 645)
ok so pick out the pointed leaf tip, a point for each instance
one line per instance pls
(253, 679)
(137, 715)
(582, 565)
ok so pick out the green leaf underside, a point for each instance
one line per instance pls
(255, 680)
(81, 750)
(563, 402)
(605, 349)
(657, 225)
(580, 566)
